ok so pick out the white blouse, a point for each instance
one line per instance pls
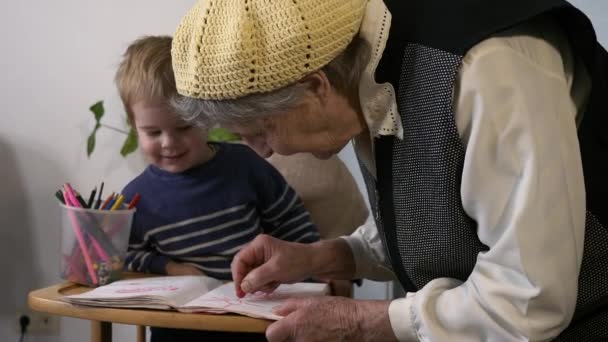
(517, 100)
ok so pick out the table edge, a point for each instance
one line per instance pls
(48, 300)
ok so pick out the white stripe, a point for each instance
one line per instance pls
(223, 255)
(143, 259)
(137, 255)
(209, 243)
(312, 234)
(132, 252)
(206, 259)
(212, 269)
(235, 249)
(138, 258)
(130, 265)
(291, 232)
(285, 226)
(193, 220)
(287, 223)
(289, 207)
(206, 231)
(272, 206)
(137, 245)
(209, 269)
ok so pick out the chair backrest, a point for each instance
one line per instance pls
(327, 189)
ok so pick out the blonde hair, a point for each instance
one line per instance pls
(145, 72)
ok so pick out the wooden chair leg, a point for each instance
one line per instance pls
(101, 331)
(141, 333)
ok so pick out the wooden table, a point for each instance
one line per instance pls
(49, 300)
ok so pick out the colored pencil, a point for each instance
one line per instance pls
(99, 235)
(134, 201)
(107, 201)
(79, 235)
(118, 202)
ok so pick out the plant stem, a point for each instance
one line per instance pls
(115, 129)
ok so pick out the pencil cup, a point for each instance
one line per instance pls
(94, 244)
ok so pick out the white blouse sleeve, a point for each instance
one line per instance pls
(371, 261)
(523, 184)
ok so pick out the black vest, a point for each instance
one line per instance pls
(416, 198)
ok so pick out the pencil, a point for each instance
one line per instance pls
(69, 196)
(105, 203)
(118, 202)
(134, 201)
(112, 201)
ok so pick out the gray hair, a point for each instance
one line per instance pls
(343, 72)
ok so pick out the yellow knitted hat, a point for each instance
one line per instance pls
(225, 49)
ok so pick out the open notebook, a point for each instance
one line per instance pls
(193, 294)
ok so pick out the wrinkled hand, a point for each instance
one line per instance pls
(331, 319)
(267, 262)
(177, 269)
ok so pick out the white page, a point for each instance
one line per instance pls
(224, 299)
(171, 290)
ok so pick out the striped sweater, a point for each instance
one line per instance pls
(205, 215)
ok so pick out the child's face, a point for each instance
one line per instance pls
(167, 141)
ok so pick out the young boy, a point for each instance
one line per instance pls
(200, 202)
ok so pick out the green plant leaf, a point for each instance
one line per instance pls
(91, 141)
(219, 134)
(98, 110)
(130, 143)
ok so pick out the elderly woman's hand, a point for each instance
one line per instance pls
(267, 262)
(331, 319)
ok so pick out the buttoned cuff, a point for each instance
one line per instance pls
(400, 315)
(357, 247)
(366, 266)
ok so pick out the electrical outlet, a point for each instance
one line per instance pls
(40, 323)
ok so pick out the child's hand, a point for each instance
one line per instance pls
(176, 269)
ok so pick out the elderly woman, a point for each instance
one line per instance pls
(472, 122)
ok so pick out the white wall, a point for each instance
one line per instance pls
(57, 58)
(597, 11)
